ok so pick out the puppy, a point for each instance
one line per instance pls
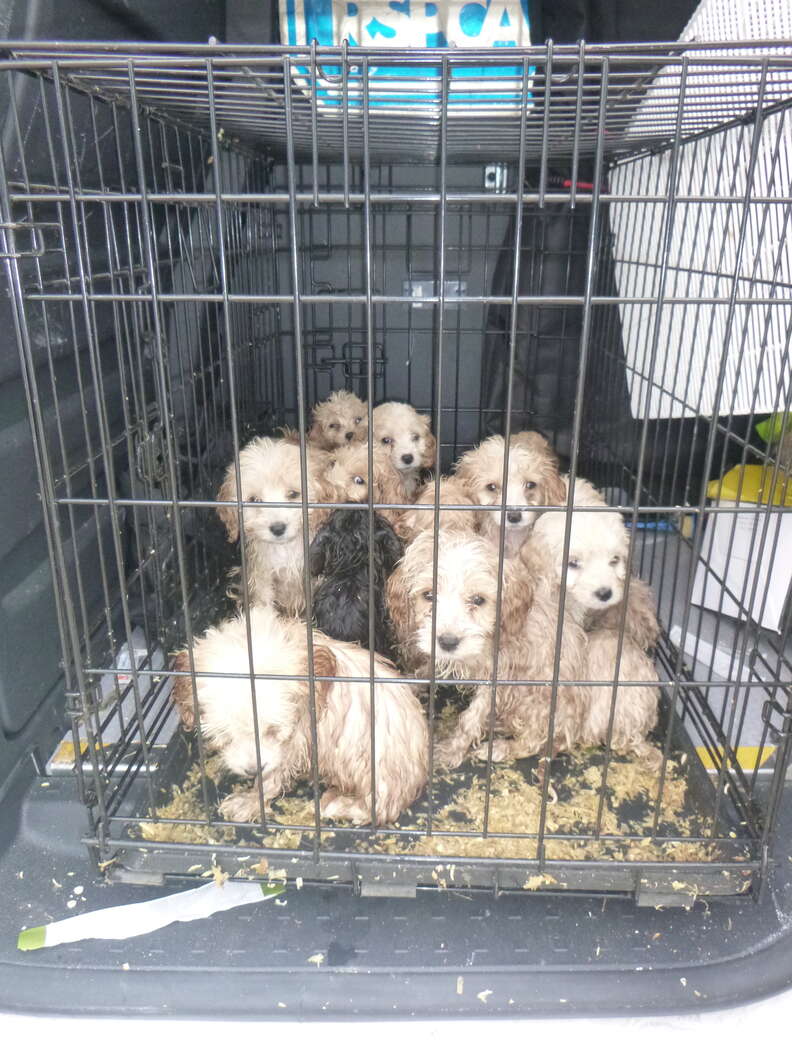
(465, 624)
(347, 479)
(596, 568)
(270, 472)
(533, 480)
(339, 420)
(343, 720)
(414, 521)
(408, 439)
(635, 711)
(340, 555)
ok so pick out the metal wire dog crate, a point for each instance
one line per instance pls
(247, 229)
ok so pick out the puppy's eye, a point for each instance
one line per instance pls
(477, 599)
(334, 425)
(415, 438)
(492, 487)
(387, 440)
(358, 421)
(292, 495)
(573, 563)
(615, 560)
(428, 595)
(530, 485)
(358, 480)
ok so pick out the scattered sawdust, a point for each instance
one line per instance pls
(187, 802)
(627, 809)
(515, 807)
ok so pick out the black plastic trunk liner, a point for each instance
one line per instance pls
(441, 953)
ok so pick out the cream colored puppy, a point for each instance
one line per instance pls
(343, 719)
(339, 420)
(533, 480)
(407, 436)
(270, 472)
(596, 567)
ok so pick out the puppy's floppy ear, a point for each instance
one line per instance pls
(388, 484)
(183, 691)
(431, 444)
(555, 489)
(519, 577)
(324, 666)
(229, 514)
(399, 603)
(317, 552)
(463, 473)
(316, 434)
(390, 547)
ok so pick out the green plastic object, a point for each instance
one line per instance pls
(31, 938)
(771, 428)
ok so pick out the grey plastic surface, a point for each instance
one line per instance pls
(437, 954)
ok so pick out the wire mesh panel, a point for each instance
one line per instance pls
(594, 251)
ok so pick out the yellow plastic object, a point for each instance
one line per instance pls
(752, 484)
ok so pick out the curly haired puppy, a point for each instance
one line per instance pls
(343, 720)
(340, 555)
(465, 620)
(339, 420)
(533, 480)
(635, 709)
(407, 437)
(414, 521)
(596, 568)
(347, 478)
(270, 472)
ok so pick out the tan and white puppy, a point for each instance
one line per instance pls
(407, 437)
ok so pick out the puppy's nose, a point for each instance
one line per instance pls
(449, 642)
(349, 435)
(407, 460)
(604, 593)
(514, 516)
(278, 528)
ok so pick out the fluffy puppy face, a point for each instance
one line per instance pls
(465, 599)
(347, 477)
(405, 435)
(597, 564)
(339, 420)
(533, 479)
(269, 472)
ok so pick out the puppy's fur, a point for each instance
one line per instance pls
(635, 713)
(340, 555)
(339, 420)
(407, 437)
(533, 480)
(270, 472)
(595, 579)
(347, 478)
(597, 568)
(343, 715)
(413, 522)
(464, 629)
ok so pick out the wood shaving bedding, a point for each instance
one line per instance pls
(514, 807)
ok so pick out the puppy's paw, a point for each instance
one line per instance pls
(449, 755)
(241, 806)
(336, 806)
(501, 751)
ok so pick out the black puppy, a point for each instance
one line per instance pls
(340, 555)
